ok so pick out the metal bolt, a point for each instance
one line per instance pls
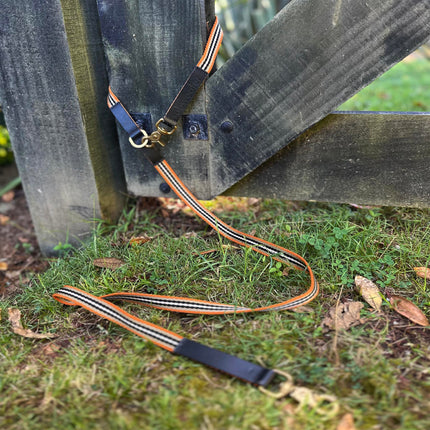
(194, 128)
(164, 188)
(227, 127)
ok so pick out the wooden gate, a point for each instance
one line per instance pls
(262, 126)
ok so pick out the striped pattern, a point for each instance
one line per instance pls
(212, 47)
(75, 297)
(166, 339)
(112, 99)
(263, 247)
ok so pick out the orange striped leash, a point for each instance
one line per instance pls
(104, 305)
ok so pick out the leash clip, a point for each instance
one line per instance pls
(163, 130)
(149, 140)
(285, 388)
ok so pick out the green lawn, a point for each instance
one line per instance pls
(405, 87)
(95, 375)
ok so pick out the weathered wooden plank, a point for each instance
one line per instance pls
(60, 138)
(363, 158)
(151, 47)
(313, 56)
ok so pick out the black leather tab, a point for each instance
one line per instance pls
(153, 155)
(226, 363)
(185, 95)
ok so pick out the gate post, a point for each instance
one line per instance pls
(151, 47)
(53, 91)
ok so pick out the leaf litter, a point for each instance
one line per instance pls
(369, 291)
(409, 310)
(108, 263)
(17, 328)
(422, 272)
(344, 316)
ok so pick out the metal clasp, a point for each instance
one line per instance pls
(322, 404)
(285, 388)
(164, 131)
(149, 140)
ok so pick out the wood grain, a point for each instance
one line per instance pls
(362, 158)
(53, 129)
(151, 47)
(309, 59)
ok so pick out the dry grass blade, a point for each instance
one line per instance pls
(108, 263)
(17, 328)
(422, 272)
(369, 291)
(409, 310)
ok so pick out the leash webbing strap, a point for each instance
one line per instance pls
(221, 361)
(166, 339)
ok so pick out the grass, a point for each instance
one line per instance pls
(405, 87)
(96, 375)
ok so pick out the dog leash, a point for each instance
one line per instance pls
(173, 342)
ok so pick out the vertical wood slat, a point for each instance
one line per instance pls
(65, 151)
(151, 47)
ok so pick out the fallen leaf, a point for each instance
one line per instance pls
(8, 197)
(4, 219)
(286, 271)
(51, 350)
(406, 308)
(13, 274)
(303, 309)
(3, 266)
(369, 291)
(108, 263)
(422, 272)
(346, 422)
(17, 328)
(344, 316)
(139, 240)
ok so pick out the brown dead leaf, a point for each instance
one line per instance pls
(344, 316)
(108, 263)
(8, 197)
(303, 309)
(3, 266)
(139, 240)
(4, 219)
(286, 271)
(17, 328)
(346, 422)
(422, 272)
(51, 350)
(409, 310)
(369, 291)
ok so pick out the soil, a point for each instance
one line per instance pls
(19, 252)
(20, 255)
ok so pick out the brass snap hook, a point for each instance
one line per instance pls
(285, 388)
(162, 130)
(144, 140)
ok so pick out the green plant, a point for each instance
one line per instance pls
(6, 154)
